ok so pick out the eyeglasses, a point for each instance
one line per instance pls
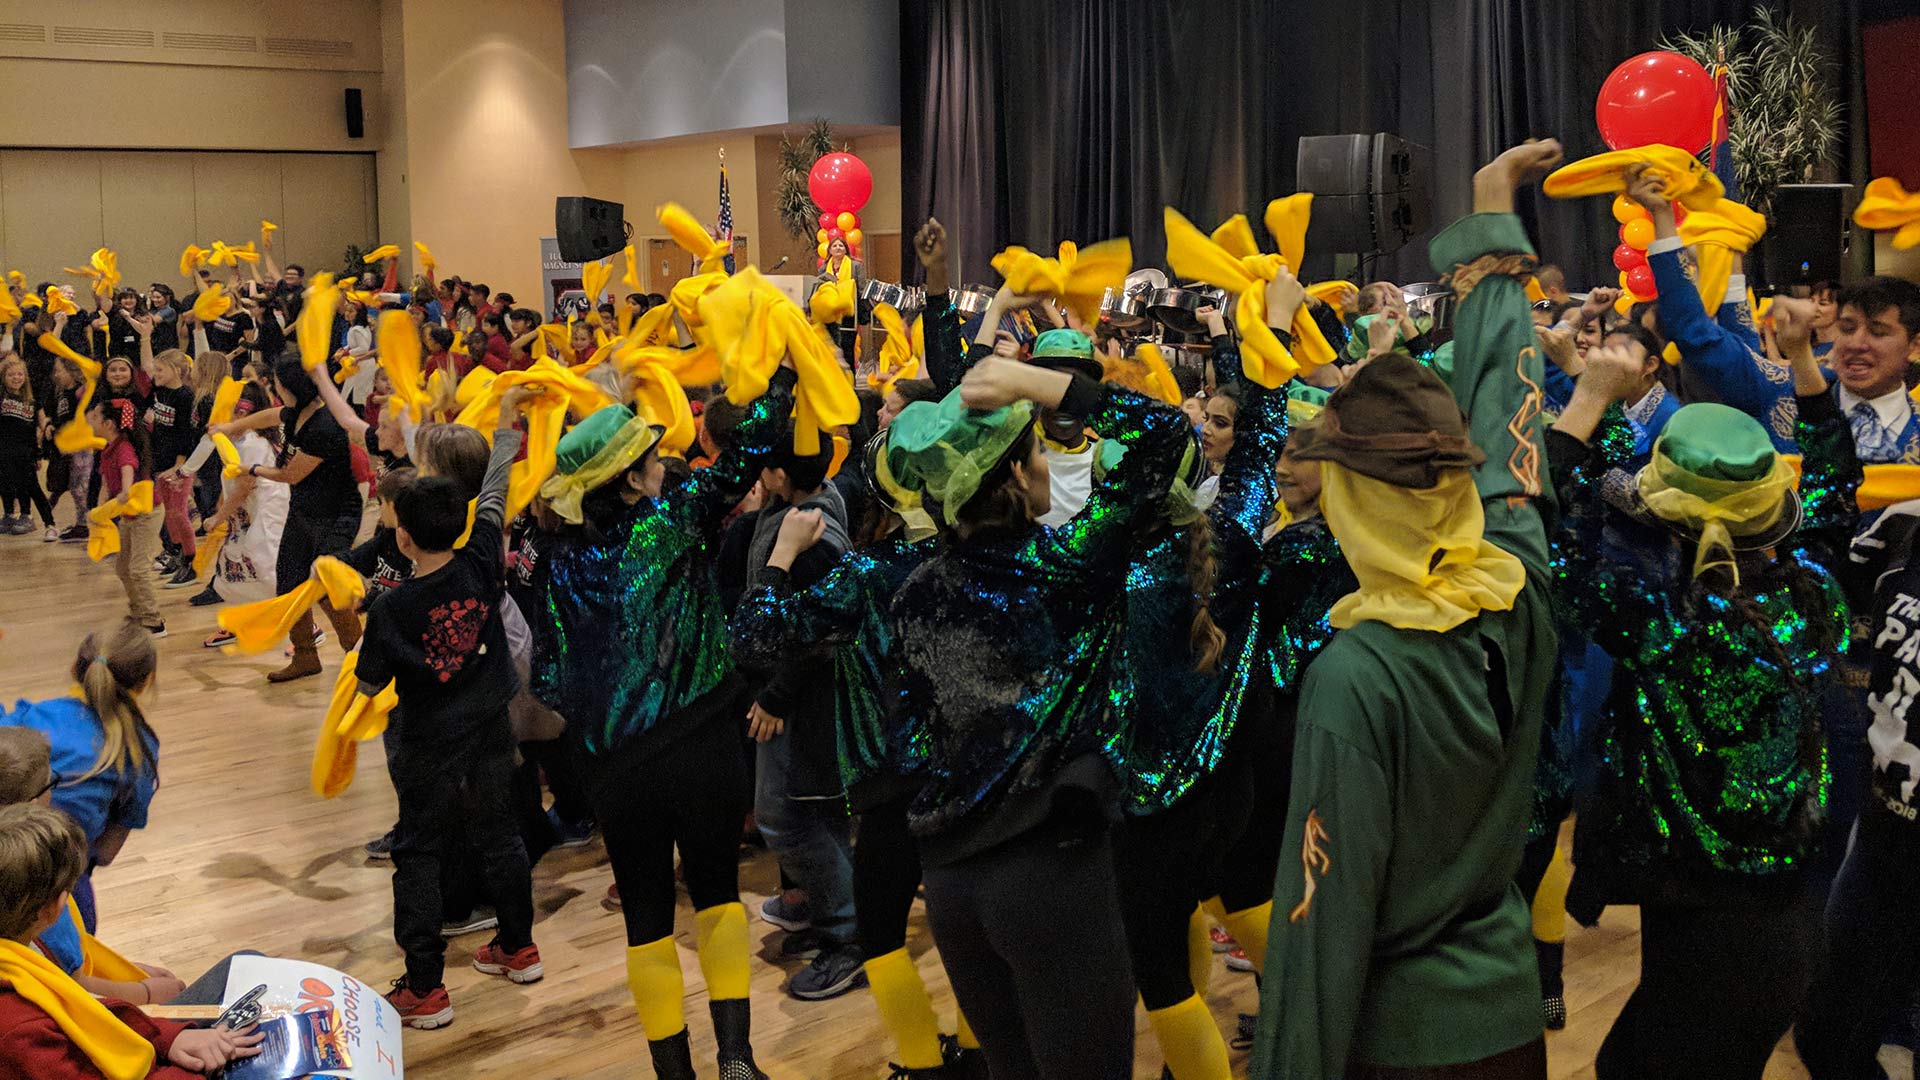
(53, 781)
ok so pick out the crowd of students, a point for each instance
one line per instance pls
(1085, 649)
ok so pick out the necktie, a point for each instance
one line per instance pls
(1871, 440)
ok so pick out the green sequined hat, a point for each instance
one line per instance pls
(1068, 350)
(594, 451)
(943, 450)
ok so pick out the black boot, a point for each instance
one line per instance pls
(672, 1057)
(960, 1063)
(1553, 1006)
(733, 1029)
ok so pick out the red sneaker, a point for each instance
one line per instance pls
(429, 1011)
(521, 967)
(1222, 941)
(611, 901)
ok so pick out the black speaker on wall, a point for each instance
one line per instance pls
(1810, 235)
(588, 228)
(356, 120)
(1370, 192)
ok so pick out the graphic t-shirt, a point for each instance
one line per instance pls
(1892, 686)
(17, 421)
(173, 435)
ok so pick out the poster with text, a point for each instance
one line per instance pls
(368, 1028)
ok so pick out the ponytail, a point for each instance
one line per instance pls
(111, 667)
(1204, 637)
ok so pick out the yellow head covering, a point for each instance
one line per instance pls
(1077, 278)
(1232, 261)
(1419, 555)
(1886, 206)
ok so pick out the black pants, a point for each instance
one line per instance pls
(1253, 860)
(1031, 938)
(886, 875)
(20, 487)
(563, 778)
(1164, 863)
(304, 540)
(470, 795)
(1526, 1062)
(1871, 965)
(1718, 987)
(207, 490)
(463, 881)
(693, 794)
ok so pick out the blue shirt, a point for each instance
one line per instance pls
(61, 942)
(111, 797)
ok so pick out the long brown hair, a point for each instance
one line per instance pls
(112, 666)
(1204, 637)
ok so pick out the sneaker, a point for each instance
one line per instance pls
(425, 1011)
(220, 639)
(481, 918)
(611, 901)
(570, 834)
(164, 564)
(6, 523)
(832, 973)
(804, 945)
(22, 526)
(74, 534)
(51, 536)
(183, 578)
(1237, 960)
(157, 631)
(1553, 1012)
(206, 597)
(1222, 941)
(786, 914)
(382, 848)
(521, 967)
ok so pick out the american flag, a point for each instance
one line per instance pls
(726, 218)
(1720, 156)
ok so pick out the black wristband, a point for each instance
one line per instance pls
(1285, 335)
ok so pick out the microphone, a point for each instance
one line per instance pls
(781, 263)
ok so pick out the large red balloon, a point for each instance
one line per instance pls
(1656, 97)
(1640, 283)
(1626, 258)
(840, 182)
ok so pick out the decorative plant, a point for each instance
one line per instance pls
(1786, 110)
(798, 215)
(353, 261)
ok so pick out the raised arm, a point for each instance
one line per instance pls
(1247, 493)
(773, 621)
(714, 491)
(940, 323)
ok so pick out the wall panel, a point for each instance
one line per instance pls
(328, 207)
(53, 211)
(146, 204)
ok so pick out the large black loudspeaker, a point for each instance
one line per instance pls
(1810, 234)
(1370, 192)
(588, 228)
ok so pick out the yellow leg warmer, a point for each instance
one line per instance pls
(1550, 900)
(653, 975)
(905, 1009)
(721, 935)
(1191, 1041)
(968, 1040)
(1249, 928)
(1199, 951)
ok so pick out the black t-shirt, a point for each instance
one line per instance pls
(328, 492)
(123, 339)
(441, 641)
(166, 330)
(224, 334)
(17, 422)
(269, 342)
(173, 434)
(65, 403)
(381, 562)
(1893, 803)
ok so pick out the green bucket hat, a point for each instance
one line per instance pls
(943, 450)
(594, 451)
(1068, 350)
(1715, 477)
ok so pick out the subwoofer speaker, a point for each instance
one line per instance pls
(588, 228)
(1370, 192)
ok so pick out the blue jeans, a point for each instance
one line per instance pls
(1845, 715)
(813, 839)
(1868, 973)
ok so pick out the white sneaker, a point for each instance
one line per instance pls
(51, 536)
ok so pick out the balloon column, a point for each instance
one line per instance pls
(1636, 235)
(1657, 97)
(840, 185)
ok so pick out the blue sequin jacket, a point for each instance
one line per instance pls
(1006, 641)
(630, 634)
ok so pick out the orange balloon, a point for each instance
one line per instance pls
(820, 235)
(822, 249)
(1625, 209)
(847, 221)
(1637, 234)
(853, 237)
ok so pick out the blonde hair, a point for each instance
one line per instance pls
(42, 854)
(210, 369)
(177, 362)
(454, 451)
(26, 388)
(113, 665)
(25, 759)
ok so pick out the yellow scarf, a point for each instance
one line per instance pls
(76, 434)
(1232, 261)
(192, 259)
(631, 279)
(223, 254)
(546, 422)
(659, 393)
(313, 330)
(897, 360)
(225, 400)
(692, 236)
(1078, 278)
(1735, 507)
(212, 303)
(57, 302)
(9, 311)
(114, 1048)
(352, 718)
(103, 530)
(260, 626)
(96, 958)
(384, 251)
(1718, 237)
(427, 262)
(230, 466)
(754, 326)
(267, 229)
(1886, 206)
(1689, 181)
(1392, 535)
(103, 270)
(594, 277)
(397, 341)
(209, 548)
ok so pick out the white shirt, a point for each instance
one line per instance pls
(1069, 481)
(1893, 408)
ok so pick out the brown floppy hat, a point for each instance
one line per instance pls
(1396, 422)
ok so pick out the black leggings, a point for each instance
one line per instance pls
(1031, 938)
(1253, 860)
(1163, 863)
(1718, 987)
(20, 487)
(886, 875)
(693, 794)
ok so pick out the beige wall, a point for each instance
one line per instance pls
(687, 172)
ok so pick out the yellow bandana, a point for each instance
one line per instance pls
(1078, 278)
(1232, 261)
(1735, 507)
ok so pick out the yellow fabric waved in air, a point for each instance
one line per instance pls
(384, 251)
(212, 302)
(103, 529)
(1886, 206)
(1689, 181)
(754, 327)
(397, 340)
(1231, 260)
(209, 548)
(313, 330)
(428, 263)
(261, 625)
(352, 718)
(897, 359)
(1078, 277)
(76, 434)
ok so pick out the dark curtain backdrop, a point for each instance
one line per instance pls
(1026, 123)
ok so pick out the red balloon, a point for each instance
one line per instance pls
(840, 182)
(1679, 212)
(835, 234)
(1626, 258)
(826, 219)
(1640, 283)
(1656, 97)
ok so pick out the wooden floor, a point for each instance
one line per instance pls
(239, 854)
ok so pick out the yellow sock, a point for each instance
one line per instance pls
(653, 975)
(1249, 928)
(720, 932)
(905, 1008)
(1550, 899)
(1199, 952)
(968, 1040)
(1190, 1041)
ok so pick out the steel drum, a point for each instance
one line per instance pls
(886, 292)
(1431, 304)
(1177, 309)
(971, 302)
(1125, 308)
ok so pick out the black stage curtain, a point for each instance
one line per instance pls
(1026, 123)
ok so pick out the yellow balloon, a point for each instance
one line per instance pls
(1623, 282)
(1625, 209)
(847, 221)
(853, 238)
(820, 235)
(1637, 234)
(822, 249)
